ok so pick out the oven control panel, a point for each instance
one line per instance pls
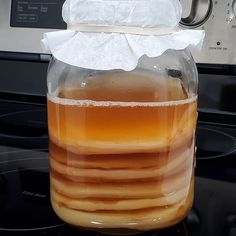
(218, 19)
(23, 22)
(37, 14)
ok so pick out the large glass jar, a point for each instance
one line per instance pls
(122, 144)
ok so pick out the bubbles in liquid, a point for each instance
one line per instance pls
(122, 151)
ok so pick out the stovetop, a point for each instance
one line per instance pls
(24, 180)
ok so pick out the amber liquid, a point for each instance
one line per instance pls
(118, 164)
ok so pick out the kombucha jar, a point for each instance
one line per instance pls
(122, 143)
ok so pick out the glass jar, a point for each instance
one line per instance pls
(122, 144)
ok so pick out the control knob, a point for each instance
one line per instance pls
(195, 12)
(234, 8)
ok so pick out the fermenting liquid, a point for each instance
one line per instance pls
(122, 158)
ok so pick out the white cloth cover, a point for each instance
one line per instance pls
(109, 50)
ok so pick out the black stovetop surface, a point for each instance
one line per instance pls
(24, 181)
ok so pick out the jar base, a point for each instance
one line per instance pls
(125, 231)
(110, 231)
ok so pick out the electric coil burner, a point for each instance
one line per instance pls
(214, 144)
(24, 202)
(23, 126)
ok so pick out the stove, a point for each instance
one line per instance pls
(25, 207)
